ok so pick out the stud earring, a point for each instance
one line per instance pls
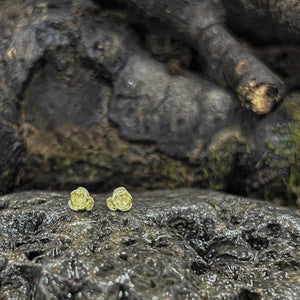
(121, 200)
(81, 200)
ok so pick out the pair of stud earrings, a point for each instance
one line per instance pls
(81, 200)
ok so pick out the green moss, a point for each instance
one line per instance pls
(217, 187)
(4, 174)
(293, 140)
(267, 193)
(285, 154)
(270, 146)
(173, 172)
(221, 157)
(294, 177)
(248, 148)
(293, 144)
(293, 186)
(83, 156)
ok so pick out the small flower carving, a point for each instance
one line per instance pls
(81, 200)
(121, 200)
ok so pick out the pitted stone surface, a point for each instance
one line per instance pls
(175, 244)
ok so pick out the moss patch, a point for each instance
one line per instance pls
(221, 156)
(285, 154)
(174, 172)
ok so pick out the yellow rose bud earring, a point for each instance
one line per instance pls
(121, 199)
(81, 200)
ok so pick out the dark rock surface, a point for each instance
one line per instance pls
(173, 244)
(176, 112)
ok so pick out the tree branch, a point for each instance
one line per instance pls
(201, 23)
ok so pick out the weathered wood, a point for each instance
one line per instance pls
(202, 23)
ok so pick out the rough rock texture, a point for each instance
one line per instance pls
(177, 113)
(172, 244)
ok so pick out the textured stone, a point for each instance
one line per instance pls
(176, 112)
(175, 244)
